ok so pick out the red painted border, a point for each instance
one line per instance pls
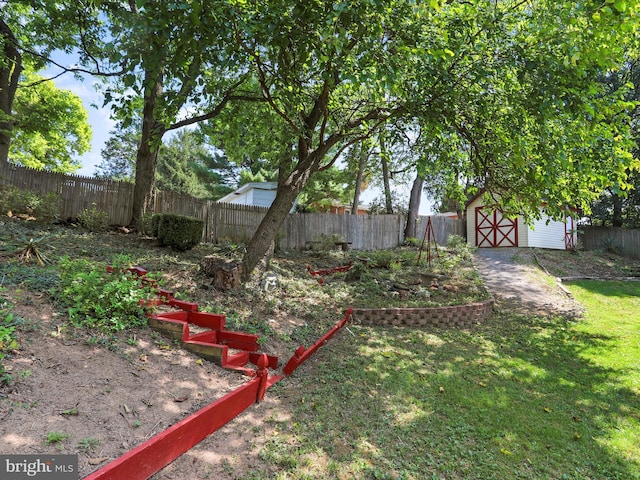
(301, 354)
(162, 449)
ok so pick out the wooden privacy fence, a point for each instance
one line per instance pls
(223, 222)
(625, 240)
(76, 192)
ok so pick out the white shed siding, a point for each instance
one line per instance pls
(471, 223)
(524, 234)
(543, 235)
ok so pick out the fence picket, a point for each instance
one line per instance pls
(223, 222)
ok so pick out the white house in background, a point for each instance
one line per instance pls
(490, 229)
(258, 194)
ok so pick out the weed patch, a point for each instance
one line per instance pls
(95, 298)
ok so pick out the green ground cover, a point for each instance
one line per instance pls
(520, 397)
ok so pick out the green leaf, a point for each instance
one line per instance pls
(620, 5)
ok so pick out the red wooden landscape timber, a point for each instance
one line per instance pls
(301, 354)
(212, 344)
(159, 451)
(319, 274)
(162, 449)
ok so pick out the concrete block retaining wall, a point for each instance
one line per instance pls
(461, 316)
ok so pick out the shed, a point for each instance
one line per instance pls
(490, 229)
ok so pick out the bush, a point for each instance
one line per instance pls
(155, 222)
(95, 298)
(179, 232)
(94, 219)
(49, 208)
(25, 202)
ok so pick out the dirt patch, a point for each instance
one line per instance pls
(93, 401)
(579, 263)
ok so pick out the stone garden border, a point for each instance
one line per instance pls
(455, 316)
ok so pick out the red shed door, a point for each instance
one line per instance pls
(494, 230)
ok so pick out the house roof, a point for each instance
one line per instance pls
(249, 186)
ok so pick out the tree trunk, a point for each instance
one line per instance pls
(147, 157)
(9, 74)
(385, 176)
(264, 238)
(414, 207)
(361, 164)
(225, 273)
(616, 218)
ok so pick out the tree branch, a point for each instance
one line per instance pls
(218, 108)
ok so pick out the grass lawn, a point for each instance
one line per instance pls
(520, 397)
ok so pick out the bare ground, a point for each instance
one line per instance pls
(104, 402)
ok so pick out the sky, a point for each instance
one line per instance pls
(101, 125)
(99, 119)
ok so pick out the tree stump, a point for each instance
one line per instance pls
(225, 273)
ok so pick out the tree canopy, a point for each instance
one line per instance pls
(504, 94)
(51, 127)
(615, 206)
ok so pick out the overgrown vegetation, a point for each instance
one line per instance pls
(94, 219)
(95, 298)
(28, 205)
(7, 335)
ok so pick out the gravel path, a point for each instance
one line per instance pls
(513, 278)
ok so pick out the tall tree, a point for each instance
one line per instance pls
(414, 207)
(510, 79)
(52, 25)
(324, 70)
(182, 68)
(185, 163)
(182, 164)
(617, 207)
(51, 127)
(10, 69)
(386, 179)
(119, 154)
(361, 151)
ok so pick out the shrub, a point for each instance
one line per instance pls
(95, 298)
(20, 202)
(49, 208)
(179, 232)
(412, 242)
(94, 219)
(155, 222)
